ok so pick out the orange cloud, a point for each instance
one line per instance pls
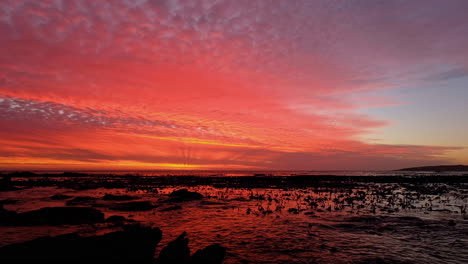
(217, 85)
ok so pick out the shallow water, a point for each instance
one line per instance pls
(391, 223)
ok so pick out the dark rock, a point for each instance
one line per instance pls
(183, 195)
(118, 219)
(74, 174)
(346, 226)
(60, 197)
(5, 215)
(8, 201)
(6, 180)
(133, 206)
(82, 200)
(213, 254)
(171, 208)
(22, 174)
(134, 244)
(53, 216)
(112, 197)
(6, 184)
(176, 252)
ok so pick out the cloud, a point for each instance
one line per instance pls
(454, 73)
(278, 76)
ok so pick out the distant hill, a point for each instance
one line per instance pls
(438, 168)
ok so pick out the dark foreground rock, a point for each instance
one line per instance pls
(178, 252)
(6, 184)
(5, 214)
(8, 201)
(134, 244)
(60, 197)
(213, 254)
(52, 216)
(183, 195)
(118, 219)
(133, 206)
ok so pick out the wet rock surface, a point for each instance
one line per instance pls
(183, 195)
(52, 216)
(213, 254)
(178, 252)
(118, 219)
(135, 244)
(133, 206)
(420, 219)
(6, 184)
(5, 215)
(60, 197)
(8, 201)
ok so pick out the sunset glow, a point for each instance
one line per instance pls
(293, 85)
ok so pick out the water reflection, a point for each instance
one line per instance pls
(366, 223)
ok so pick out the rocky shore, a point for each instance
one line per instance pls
(79, 218)
(133, 243)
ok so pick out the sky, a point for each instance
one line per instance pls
(233, 85)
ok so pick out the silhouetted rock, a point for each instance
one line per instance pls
(22, 174)
(6, 184)
(53, 216)
(8, 201)
(133, 206)
(112, 197)
(213, 254)
(73, 174)
(6, 179)
(118, 219)
(82, 200)
(5, 215)
(176, 252)
(134, 244)
(60, 197)
(183, 195)
(452, 223)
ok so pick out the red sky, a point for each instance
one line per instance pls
(224, 84)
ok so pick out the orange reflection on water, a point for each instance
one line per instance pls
(281, 225)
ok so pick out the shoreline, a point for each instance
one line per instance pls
(90, 181)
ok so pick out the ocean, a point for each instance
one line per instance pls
(262, 219)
